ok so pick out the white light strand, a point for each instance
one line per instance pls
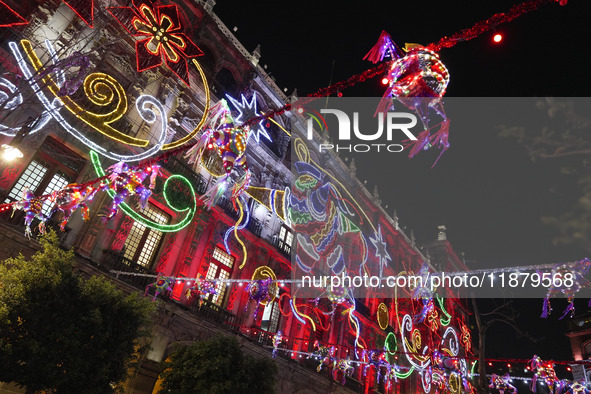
(299, 281)
(146, 113)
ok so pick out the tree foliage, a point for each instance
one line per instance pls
(217, 366)
(564, 142)
(61, 333)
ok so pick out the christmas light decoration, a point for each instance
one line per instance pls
(263, 273)
(229, 142)
(259, 291)
(412, 77)
(277, 340)
(126, 181)
(161, 32)
(344, 367)
(72, 198)
(32, 207)
(543, 371)
(236, 227)
(9, 17)
(325, 354)
(444, 321)
(273, 200)
(383, 316)
(166, 228)
(84, 9)
(465, 338)
(146, 113)
(201, 289)
(163, 283)
(248, 110)
(100, 89)
(70, 85)
(381, 248)
(568, 279)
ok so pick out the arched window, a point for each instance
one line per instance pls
(207, 61)
(226, 80)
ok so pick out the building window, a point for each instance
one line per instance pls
(219, 268)
(52, 169)
(142, 242)
(271, 315)
(285, 239)
(30, 179)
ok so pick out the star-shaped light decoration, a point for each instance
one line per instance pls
(248, 110)
(161, 28)
(380, 245)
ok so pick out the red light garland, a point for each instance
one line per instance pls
(9, 17)
(84, 9)
(488, 24)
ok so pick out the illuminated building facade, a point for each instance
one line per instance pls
(79, 88)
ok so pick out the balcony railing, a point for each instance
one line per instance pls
(228, 207)
(213, 312)
(114, 260)
(282, 246)
(255, 227)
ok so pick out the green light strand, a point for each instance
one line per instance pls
(387, 343)
(472, 369)
(444, 322)
(404, 375)
(388, 347)
(165, 228)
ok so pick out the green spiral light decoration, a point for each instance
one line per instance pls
(165, 228)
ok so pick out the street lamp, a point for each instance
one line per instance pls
(11, 151)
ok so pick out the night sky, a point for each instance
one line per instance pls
(485, 189)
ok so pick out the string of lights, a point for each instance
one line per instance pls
(539, 267)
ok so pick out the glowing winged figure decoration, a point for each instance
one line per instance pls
(418, 80)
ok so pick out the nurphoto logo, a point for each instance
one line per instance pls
(361, 136)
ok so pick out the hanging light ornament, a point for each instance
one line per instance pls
(32, 206)
(418, 80)
(229, 142)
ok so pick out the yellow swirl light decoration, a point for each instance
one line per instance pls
(245, 253)
(264, 272)
(295, 308)
(416, 335)
(415, 345)
(383, 316)
(455, 383)
(192, 134)
(100, 89)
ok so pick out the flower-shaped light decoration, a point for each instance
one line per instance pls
(161, 28)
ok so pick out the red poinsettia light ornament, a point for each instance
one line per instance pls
(161, 35)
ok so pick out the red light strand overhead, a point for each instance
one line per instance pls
(9, 17)
(84, 9)
(488, 24)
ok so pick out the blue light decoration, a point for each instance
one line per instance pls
(237, 226)
(248, 110)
